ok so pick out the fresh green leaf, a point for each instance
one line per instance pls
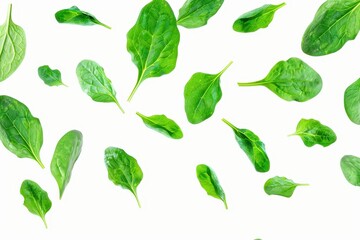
(291, 80)
(313, 132)
(258, 18)
(74, 15)
(123, 170)
(20, 132)
(350, 166)
(66, 153)
(281, 186)
(210, 183)
(335, 23)
(94, 82)
(163, 125)
(36, 200)
(250, 143)
(352, 102)
(153, 42)
(12, 46)
(196, 13)
(202, 92)
(49, 76)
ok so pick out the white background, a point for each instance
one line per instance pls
(174, 205)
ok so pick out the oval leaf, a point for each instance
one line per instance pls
(49, 76)
(352, 102)
(350, 166)
(281, 186)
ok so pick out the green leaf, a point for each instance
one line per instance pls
(196, 13)
(202, 92)
(163, 125)
(250, 143)
(281, 186)
(153, 42)
(74, 15)
(352, 102)
(20, 132)
(335, 23)
(313, 132)
(36, 200)
(49, 76)
(350, 166)
(123, 170)
(258, 18)
(94, 82)
(66, 153)
(12, 46)
(210, 183)
(291, 80)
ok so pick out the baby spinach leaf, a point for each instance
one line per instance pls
(313, 132)
(49, 76)
(36, 200)
(20, 132)
(258, 18)
(66, 153)
(335, 23)
(250, 143)
(153, 42)
(281, 186)
(352, 102)
(196, 13)
(202, 92)
(123, 170)
(163, 125)
(210, 183)
(12, 46)
(94, 82)
(350, 166)
(291, 80)
(74, 15)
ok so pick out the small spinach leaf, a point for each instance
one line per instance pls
(350, 166)
(352, 102)
(291, 80)
(196, 13)
(49, 76)
(202, 92)
(258, 18)
(281, 186)
(66, 153)
(163, 125)
(210, 183)
(250, 143)
(20, 132)
(153, 42)
(94, 82)
(36, 200)
(123, 170)
(74, 15)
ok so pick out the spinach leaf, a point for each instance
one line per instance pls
(313, 132)
(12, 46)
(20, 132)
(352, 102)
(210, 183)
(94, 82)
(350, 166)
(163, 125)
(258, 18)
(74, 15)
(202, 92)
(250, 143)
(66, 153)
(49, 76)
(196, 13)
(36, 200)
(153, 42)
(281, 186)
(123, 170)
(335, 23)
(291, 80)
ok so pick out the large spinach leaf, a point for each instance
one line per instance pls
(352, 102)
(281, 186)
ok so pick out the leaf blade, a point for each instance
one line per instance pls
(51, 77)
(352, 101)
(350, 167)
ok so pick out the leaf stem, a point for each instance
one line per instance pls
(302, 184)
(226, 206)
(140, 115)
(118, 104)
(43, 219)
(229, 124)
(104, 25)
(250, 84)
(137, 199)
(225, 68)
(293, 134)
(9, 12)
(39, 162)
(133, 91)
